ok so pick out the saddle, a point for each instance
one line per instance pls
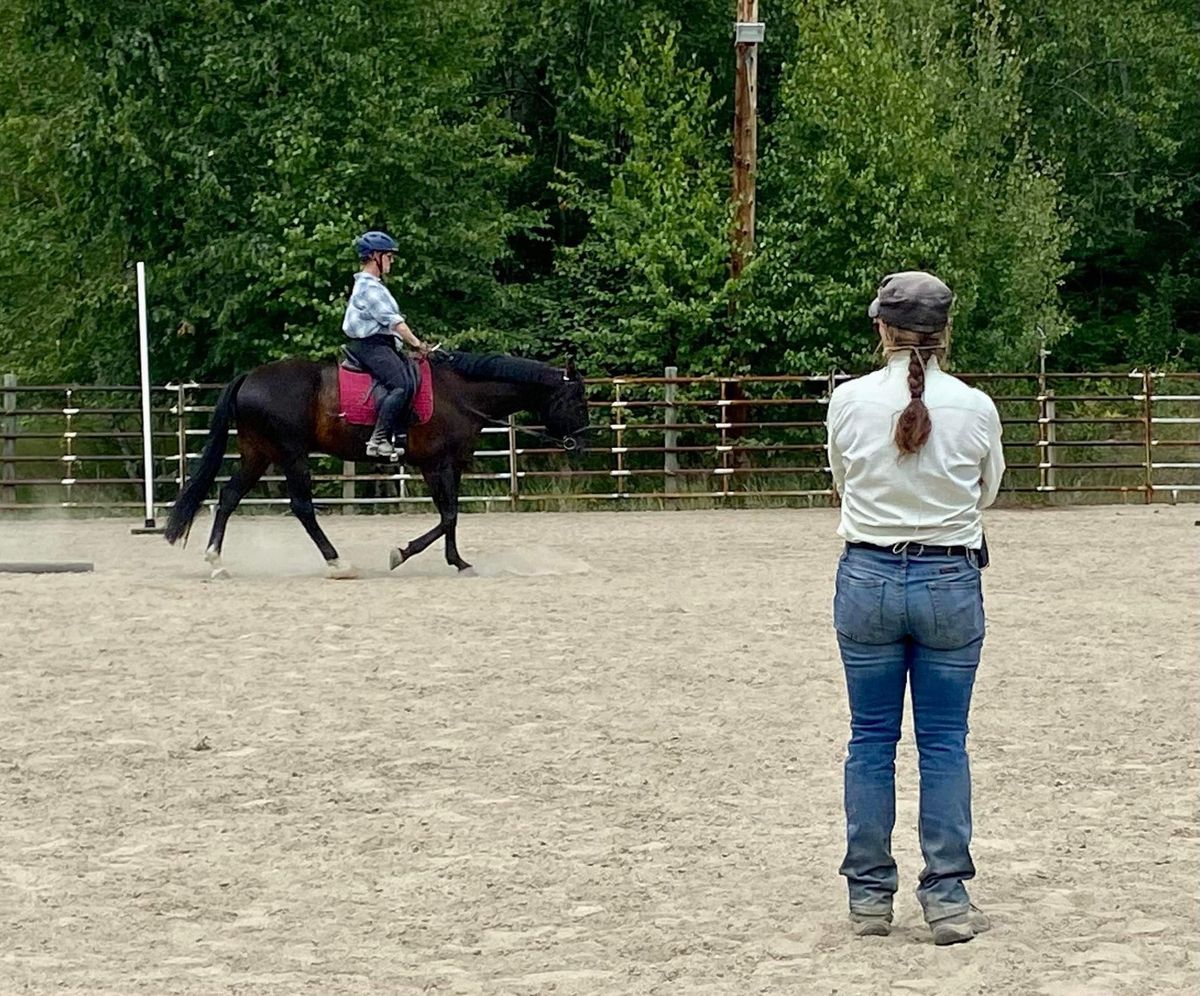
(360, 393)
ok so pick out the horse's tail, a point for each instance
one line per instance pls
(196, 490)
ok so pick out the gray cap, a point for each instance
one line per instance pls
(913, 300)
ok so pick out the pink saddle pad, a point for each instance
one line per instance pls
(357, 392)
(357, 397)
(423, 402)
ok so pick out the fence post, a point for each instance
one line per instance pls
(1046, 430)
(514, 488)
(68, 473)
(1148, 430)
(670, 435)
(1050, 413)
(348, 488)
(8, 494)
(723, 445)
(618, 449)
(834, 498)
(181, 432)
(1041, 421)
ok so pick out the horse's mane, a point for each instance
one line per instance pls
(497, 366)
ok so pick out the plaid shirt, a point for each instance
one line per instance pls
(372, 310)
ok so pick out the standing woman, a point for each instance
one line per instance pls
(916, 456)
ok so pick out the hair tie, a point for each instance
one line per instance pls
(889, 350)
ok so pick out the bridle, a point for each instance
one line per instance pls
(567, 443)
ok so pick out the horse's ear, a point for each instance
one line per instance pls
(569, 371)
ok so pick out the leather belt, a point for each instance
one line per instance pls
(918, 549)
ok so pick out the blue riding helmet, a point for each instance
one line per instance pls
(370, 243)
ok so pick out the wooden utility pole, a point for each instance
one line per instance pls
(748, 33)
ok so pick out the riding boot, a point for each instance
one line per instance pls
(379, 445)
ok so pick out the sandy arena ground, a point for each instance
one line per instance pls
(611, 763)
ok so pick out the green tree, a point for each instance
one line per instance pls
(902, 143)
(557, 174)
(553, 53)
(238, 149)
(1113, 90)
(646, 286)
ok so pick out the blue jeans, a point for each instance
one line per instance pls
(908, 618)
(378, 355)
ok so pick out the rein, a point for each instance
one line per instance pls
(566, 444)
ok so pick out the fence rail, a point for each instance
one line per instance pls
(666, 439)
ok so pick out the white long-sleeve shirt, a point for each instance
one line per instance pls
(935, 495)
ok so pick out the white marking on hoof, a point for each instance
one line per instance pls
(213, 556)
(395, 559)
(219, 574)
(340, 570)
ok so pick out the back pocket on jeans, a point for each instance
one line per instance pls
(957, 613)
(858, 608)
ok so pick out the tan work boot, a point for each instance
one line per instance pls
(960, 927)
(871, 924)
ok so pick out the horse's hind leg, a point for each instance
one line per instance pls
(299, 485)
(251, 467)
(401, 554)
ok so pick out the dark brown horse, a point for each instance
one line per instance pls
(289, 409)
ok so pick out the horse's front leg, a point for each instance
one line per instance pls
(449, 509)
(433, 476)
(443, 481)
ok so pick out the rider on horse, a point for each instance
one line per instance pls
(373, 325)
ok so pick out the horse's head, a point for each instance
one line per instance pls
(566, 411)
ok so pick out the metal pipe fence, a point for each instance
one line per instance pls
(666, 440)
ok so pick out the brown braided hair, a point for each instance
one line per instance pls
(914, 425)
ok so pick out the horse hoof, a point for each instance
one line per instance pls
(339, 570)
(212, 556)
(466, 571)
(395, 559)
(219, 574)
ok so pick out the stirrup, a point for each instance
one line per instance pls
(380, 446)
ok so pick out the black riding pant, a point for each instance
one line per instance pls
(378, 354)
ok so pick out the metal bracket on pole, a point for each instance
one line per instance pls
(749, 32)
